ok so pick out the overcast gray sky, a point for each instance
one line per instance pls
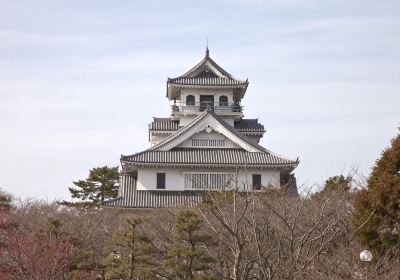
(81, 80)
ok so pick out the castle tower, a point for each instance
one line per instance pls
(206, 144)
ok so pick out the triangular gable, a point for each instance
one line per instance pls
(207, 121)
(207, 64)
(206, 73)
(208, 139)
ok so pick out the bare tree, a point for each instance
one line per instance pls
(272, 235)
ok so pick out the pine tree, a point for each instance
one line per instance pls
(188, 259)
(101, 184)
(130, 254)
(338, 183)
(5, 200)
(379, 203)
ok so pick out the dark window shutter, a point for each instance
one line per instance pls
(190, 100)
(256, 181)
(160, 180)
(223, 100)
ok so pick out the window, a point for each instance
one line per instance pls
(208, 181)
(208, 142)
(160, 180)
(206, 102)
(257, 182)
(190, 100)
(223, 101)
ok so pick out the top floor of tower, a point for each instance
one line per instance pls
(206, 87)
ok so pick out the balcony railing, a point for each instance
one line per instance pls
(202, 106)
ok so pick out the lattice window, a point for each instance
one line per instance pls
(208, 181)
(208, 142)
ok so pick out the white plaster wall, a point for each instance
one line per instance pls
(269, 177)
(184, 120)
(147, 178)
(155, 138)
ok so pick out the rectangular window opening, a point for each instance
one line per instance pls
(257, 182)
(160, 180)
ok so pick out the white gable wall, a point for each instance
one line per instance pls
(204, 135)
(215, 125)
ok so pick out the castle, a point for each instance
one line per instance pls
(205, 145)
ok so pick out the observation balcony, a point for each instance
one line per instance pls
(194, 108)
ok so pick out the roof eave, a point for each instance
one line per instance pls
(291, 166)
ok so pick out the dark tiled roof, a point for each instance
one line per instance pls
(155, 199)
(203, 63)
(164, 124)
(208, 75)
(207, 81)
(244, 125)
(209, 157)
(249, 125)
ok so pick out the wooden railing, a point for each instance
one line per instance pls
(202, 106)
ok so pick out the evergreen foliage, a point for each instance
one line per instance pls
(379, 203)
(338, 183)
(5, 200)
(130, 254)
(188, 259)
(101, 184)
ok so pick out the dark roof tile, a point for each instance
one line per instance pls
(155, 199)
(164, 124)
(243, 125)
(249, 125)
(207, 81)
(209, 157)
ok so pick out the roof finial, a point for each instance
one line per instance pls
(207, 51)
